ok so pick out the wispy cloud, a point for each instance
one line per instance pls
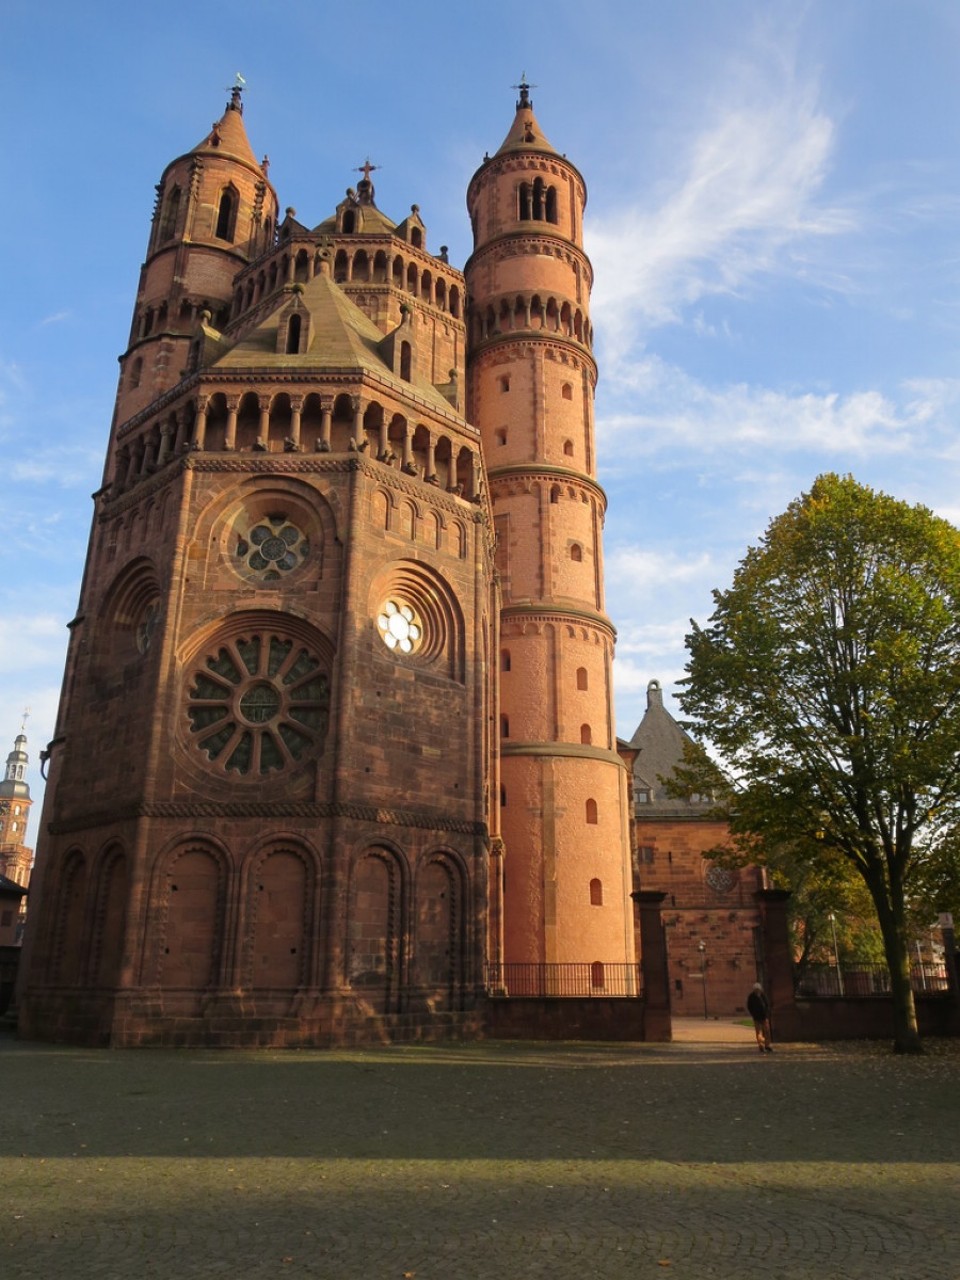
(678, 411)
(743, 200)
(57, 317)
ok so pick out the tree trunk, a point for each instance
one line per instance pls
(906, 1034)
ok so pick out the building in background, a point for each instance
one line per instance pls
(710, 911)
(335, 748)
(16, 857)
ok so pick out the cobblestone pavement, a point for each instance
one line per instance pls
(495, 1160)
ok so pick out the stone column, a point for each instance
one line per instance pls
(326, 420)
(163, 452)
(200, 423)
(296, 408)
(431, 472)
(230, 439)
(407, 464)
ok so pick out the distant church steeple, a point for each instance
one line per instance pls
(15, 802)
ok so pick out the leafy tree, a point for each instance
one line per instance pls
(828, 682)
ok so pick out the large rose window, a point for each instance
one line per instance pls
(260, 704)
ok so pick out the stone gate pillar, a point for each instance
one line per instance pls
(776, 957)
(653, 963)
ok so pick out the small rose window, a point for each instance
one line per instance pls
(272, 548)
(399, 627)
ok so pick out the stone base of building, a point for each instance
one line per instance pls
(236, 1021)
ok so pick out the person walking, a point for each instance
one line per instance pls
(758, 1006)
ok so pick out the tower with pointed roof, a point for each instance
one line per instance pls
(15, 803)
(531, 377)
(275, 800)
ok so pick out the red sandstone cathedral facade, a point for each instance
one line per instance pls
(336, 752)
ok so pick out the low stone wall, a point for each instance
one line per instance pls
(861, 1018)
(592, 1018)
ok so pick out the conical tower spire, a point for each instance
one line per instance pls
(525, 132)
(215, 212)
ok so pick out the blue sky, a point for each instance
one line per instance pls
(773, 217)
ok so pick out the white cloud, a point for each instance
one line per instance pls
(743, 200)
(679, 412)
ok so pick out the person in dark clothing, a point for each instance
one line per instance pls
(758, 1006)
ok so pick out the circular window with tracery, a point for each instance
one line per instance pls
(721, 879)
(272, 548)
(399, 627)
(258, 705)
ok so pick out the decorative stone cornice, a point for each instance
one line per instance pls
(513, 244)
(556, 345)
(528, 472)
(558, 615)
(569, 750)
(305, 810)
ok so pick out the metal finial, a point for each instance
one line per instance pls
(23, 722)
(367, 168)
(524, 87)
(236, 93)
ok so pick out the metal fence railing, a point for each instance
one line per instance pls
(574, 980)
(866, 980)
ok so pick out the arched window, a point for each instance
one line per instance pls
(500, 435)
(349, 223)
(136, 373)
(504, 382)
(566, 391)
(226, 216)
(596, 893)
(171, 209)
(551, 204)
(504, 659)
(586, 736)
(538, 200)
(591, 812)
(524, 202)
(582, 678)
(405, 361)
(503, 797)
(555, 493)
(596, 974)
(293, 334)
(416, 237)
(504, 726)
(576, 552)
(568, 448)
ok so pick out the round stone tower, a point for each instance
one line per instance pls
(215, 212)
(531, 378)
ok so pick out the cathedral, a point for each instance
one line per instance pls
(335, 757)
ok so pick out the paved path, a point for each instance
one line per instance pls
(497, 1161)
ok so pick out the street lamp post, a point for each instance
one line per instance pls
(702, 948)
(836, 951)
